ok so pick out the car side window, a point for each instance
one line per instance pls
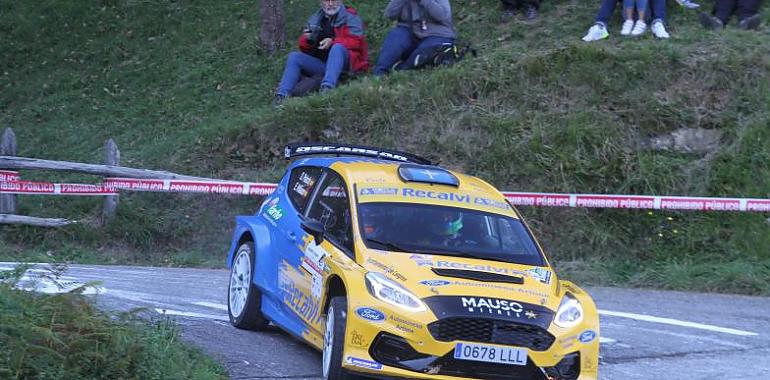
(301, 184)
(332, 208)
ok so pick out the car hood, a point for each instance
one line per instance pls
(440, 276)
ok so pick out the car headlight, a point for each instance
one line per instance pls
(570, 312)
(387, 290)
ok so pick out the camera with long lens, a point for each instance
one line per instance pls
(314, 34)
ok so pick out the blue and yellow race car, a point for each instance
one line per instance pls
(397, 268)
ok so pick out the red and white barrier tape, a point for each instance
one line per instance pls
(8, 176)
(10, 183)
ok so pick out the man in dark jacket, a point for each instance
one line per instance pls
(422, 24)
(746, 10)
(332, 42)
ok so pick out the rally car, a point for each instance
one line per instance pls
(397, 268)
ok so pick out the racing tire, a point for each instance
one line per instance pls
(244, 299)
(334, 341)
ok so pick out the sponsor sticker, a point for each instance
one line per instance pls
(275, 212)
(370, 314)
(434, 283)
(587, 336)
(387, 269)
(378, 191)
(357, 339)
(422, 260)
(541, 274)
(363, 363)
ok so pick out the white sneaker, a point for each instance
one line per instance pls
(639, 28)
(688, 4)
(625, 30)
(659, 30)
(596, 33)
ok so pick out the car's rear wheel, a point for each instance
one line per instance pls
(334, 341)
(243, 298)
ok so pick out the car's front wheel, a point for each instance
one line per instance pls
(243, 297)
(334, 340)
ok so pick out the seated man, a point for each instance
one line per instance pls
(332, 43)
(422, 24)
(747, 11)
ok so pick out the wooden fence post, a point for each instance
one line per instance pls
(8, 203)
(111, 157)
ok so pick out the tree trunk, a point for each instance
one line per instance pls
(272, 35)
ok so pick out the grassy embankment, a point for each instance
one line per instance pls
(63, 337)
(183, 87)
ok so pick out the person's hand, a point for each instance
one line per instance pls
(325, 44)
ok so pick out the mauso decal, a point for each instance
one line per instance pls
(435, 282)
(587, 336)
(490, 308)
(370, 314)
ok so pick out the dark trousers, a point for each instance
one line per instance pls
(607, 8)
(520, 3)
(723, 9)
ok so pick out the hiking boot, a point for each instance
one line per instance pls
(751, 22)
(659, 29)
(597, 32)
(688, 4)
(625, 30)
(531, 13)
(710, 22)
(639, 28)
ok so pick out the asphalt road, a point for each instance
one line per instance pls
(646, 334)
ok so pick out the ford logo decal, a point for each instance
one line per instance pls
(370, 314)
(587, 336)
(435, 282)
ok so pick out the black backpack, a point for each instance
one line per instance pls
(440, 55)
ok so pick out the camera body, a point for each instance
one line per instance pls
(314, 34)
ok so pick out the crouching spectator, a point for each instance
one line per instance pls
(529, 7)
(422, 25)
(746, 10)
(333, 42)
(598, 31)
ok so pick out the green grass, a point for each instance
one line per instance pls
(184, 87)
(63, 337)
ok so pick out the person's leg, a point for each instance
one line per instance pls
(658, 10)
(628, 9)
(747, 8)
(723, 9)
(641, 9)
(398, 42)
(339, 60)
(425, 44)
(606, 9)
(296, 64)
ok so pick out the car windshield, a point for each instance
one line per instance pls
(447, 231)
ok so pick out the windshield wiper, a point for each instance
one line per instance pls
(389, 245)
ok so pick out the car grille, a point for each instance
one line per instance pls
(491, 331)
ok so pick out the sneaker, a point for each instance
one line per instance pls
(688, 4)
(596, 32)
(639, 28)
(628, 25)
(751, 22)
(531, 13)
(710, 22)
(278, 100)
(659, 30)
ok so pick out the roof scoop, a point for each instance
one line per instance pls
(478, 276)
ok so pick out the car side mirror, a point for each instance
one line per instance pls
(314, 228)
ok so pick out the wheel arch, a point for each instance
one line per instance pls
(248, 228)
(335, 287)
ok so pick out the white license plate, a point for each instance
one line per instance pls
(491, 354)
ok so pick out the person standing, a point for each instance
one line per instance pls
(333, 42)
(422, 24)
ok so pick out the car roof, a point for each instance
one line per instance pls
(366, 171)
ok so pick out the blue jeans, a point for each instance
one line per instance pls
(299, 63)
(400, 45)
(607, 8)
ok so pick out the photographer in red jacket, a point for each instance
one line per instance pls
(332, 42)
